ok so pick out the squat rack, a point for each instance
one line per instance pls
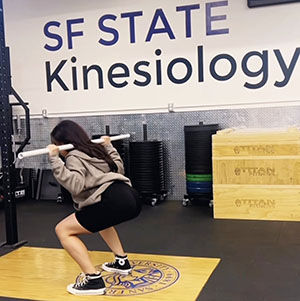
(6, 132)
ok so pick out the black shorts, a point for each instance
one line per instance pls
(119, 203)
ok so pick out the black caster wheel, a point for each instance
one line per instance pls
(185, 202)
(162, 197)
(153, 202)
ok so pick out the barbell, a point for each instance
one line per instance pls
(45, 150)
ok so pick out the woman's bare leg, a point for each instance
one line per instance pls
(67, 231)
(110, 236)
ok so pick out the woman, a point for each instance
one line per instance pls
(102, 195)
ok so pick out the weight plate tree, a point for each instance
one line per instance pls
(198, 162)
(147, 168)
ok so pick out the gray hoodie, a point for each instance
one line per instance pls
(86, 178)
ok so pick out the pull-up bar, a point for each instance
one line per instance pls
(43, 151)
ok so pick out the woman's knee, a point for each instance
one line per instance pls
(68, 227)
(60, 230)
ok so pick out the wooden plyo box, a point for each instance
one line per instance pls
(256, 174)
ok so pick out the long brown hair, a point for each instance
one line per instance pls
(68, 131)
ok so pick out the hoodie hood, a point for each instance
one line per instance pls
(98, 163)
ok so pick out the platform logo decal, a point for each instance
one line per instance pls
(146, 277)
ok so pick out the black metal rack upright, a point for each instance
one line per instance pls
(6, 132)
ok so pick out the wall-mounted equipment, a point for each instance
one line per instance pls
(257, 3)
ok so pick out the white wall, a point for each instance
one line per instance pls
(243, 30)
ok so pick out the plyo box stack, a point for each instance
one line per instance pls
(256, 174)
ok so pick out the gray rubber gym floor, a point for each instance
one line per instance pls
(260, 260)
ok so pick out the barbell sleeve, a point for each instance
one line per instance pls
(44, 151)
